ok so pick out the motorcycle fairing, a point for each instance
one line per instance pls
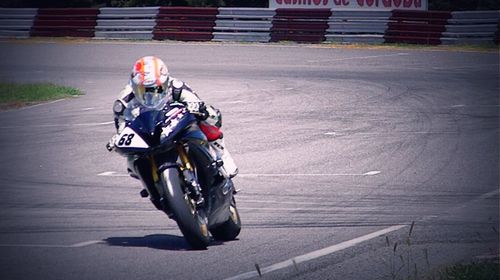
(170, 128)
(129, 139)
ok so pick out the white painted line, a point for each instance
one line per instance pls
(33, 106)
(354, 133)
(236, 102)
(369, 173)
(112, 174)
(476, 106)
(358, 57)
(34, 245)
(93, 124)
(61, 125)
(77, 245)
(316, 254)
(86, 243)
(87, 109)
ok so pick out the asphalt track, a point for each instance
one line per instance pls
(340, 150)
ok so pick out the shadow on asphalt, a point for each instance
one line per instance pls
(155, 241)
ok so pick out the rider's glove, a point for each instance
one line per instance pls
(111, 143)
(197, 108)
(194, 107)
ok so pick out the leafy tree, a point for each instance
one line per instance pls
(247, 3)
(46, 3)
(463, 5)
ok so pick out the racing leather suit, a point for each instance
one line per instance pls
(178, 91)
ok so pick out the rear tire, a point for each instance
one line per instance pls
(231, 228)
(191, 222)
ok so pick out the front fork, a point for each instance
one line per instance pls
(189, 173)
(185, 166)
(188, 170)
(152, 179)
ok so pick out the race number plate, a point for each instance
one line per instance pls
(128, 138)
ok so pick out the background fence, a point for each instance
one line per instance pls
(185, 24)
(129, 23)
(16, 22)
(357, 26)
(471, 27)
(75, 22)
(300, 25)
(255, 25)
(416, 27)
(244, 24)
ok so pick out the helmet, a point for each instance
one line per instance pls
(149, 81)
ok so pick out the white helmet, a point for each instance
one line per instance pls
(149, 81)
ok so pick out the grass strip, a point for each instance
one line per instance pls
(14, 95)
(485, 47)
(474, 271)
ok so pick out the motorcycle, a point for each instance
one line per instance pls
(181, 173)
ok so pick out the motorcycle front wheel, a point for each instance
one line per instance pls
(191, 222)
(231, 228)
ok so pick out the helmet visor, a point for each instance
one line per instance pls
(151, 97)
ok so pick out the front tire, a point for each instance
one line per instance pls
(231, 228)
(191, 222)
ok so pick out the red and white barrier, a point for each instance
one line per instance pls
(472, 27)
(255, 24)
(358, 26)
(16, 22)
(300, 25)
(185, 24)
(244, 24)
(126, 23)
(416, 27)
(74, 22)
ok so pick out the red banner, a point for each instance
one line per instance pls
(382, 5)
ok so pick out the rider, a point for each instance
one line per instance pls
(150, 85)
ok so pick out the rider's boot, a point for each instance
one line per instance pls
(217, 142)
(222, 153)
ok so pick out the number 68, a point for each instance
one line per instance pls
(126, 139)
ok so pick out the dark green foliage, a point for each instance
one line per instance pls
(481, 271)
(463, 5)
(47, 3)
(247, 3)
(108, 3)
(144, 3)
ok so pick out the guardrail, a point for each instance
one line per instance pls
(497, 34)
(474, 27)
(16, 23)
(300, 25)
(185, 24)
(126, 23)
(255, 25)
(416, 27)
(61, 22)
(243, 24)
(358, 26)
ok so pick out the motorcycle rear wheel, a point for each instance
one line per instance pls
(191, 222)
(231, 228)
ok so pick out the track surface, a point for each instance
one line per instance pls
(333, 144)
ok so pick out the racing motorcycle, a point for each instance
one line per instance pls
(182, 175)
